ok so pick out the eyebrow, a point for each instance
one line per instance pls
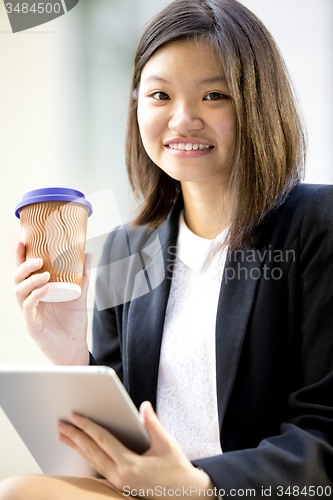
(213, 79)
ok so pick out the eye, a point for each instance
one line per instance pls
(215, 96)
(160, 96)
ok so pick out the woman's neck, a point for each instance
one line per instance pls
(205, 209)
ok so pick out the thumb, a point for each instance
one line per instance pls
(88, 258)
(151, 422)
(86, 273)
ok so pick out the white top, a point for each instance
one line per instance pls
(186, 389)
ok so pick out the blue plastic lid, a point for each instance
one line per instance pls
(53, 194)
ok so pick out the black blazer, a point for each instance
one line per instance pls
(274, 340)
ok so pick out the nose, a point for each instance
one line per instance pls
(185, 118)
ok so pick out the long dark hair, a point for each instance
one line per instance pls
(270, 148)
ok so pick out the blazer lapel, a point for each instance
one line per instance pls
(238, 287)
(146, 314)
(145, 318)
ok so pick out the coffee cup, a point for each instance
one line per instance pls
(54, 224)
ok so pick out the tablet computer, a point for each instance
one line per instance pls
(35, 398)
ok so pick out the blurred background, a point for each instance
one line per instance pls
(63, 108)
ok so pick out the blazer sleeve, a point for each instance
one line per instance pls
(106, 320)
(301, 456)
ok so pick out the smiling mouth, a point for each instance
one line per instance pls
(188, 147)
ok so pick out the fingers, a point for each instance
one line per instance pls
(24, 289)
(103, 438)
(30, 304)
(86, 447)
(29, 288)
(20, 253)
(26, 267)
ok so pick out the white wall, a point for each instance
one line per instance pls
(303, 30)
(63, 93)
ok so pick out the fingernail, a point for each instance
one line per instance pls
(149, 407)
(36, 262)
(74, 418)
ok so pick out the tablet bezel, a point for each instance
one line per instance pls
(35, 398)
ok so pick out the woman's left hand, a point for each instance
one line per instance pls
(164, 465)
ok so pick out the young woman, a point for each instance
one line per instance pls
(215, 306)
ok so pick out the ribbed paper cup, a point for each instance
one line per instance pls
(54, 225)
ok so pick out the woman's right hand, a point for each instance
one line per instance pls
(58, 328)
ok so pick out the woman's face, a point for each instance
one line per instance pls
(186, 117)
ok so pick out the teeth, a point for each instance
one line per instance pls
(188, 147)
